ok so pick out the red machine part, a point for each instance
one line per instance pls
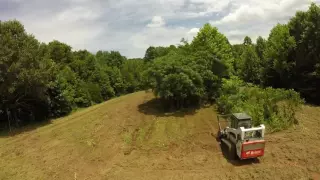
(252, 149)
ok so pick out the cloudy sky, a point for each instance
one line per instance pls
(132, 26)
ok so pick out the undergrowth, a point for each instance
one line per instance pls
(275, 108)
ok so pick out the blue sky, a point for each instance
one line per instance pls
(132, 26)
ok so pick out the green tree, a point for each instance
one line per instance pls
(211, 85)
(150, 54)
(176, 83)
(237, 50)
(304, 27)
(250, 66)
(132, 74)
(211, 45)
(260, 47)
(23, 76)
(111, 59)
(116, 80)
(155, 52)
(102, 57)
(64, 85)
(247, 41)
(279, 64)
(101, 78)
(60, 52)
(84, 64)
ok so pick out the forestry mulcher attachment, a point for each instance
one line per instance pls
(239, 138)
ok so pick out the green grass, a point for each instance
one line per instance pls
(127, 138)
(162, 131)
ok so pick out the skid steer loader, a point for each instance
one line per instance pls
(239, 138)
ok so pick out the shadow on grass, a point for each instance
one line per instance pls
(155, 107)
(24, 129)
(237, 161)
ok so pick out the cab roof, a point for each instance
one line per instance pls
(241, 116)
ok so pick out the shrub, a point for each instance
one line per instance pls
(274, 107)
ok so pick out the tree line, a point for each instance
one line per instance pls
(289, 59)
(39, 81)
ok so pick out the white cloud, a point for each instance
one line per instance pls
(162, 36)
(268, 10)
(131, 26)
(75, 26)
(157, 21)
(211, 5)
(193, 31)
(243, 14)
(78, 14)
(254, 18)
(201, 8)
(237, 36)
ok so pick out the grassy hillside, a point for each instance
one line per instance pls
(130, 138)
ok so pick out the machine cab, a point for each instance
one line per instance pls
(241, 120)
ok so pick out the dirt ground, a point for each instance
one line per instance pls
(131, 138)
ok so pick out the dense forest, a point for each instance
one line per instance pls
(40, 81)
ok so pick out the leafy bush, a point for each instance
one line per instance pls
(274, 107)
(176, 83)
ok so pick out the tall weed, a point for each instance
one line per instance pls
(275, 108)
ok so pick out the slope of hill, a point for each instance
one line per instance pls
(130, 138)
